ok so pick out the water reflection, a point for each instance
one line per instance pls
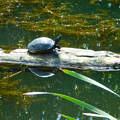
(46, 106)
(109, 5)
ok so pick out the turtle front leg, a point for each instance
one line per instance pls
(57, 46)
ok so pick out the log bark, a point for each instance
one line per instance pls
(64, 58)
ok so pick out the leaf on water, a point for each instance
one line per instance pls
(89, 80)
(76, 101)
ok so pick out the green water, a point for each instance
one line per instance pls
(83, 24)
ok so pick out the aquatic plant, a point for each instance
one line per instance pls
(75, 101)
(89, 80)
(48, 17)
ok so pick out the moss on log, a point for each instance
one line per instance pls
(64, 58)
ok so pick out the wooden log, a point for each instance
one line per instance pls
(65, 58)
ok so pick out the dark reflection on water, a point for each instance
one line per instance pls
(89, 25)
(15, 106)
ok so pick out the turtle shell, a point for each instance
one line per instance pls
(41, 45)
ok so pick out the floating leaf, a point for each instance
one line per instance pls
(89, 80)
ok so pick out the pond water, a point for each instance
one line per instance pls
(87, 24)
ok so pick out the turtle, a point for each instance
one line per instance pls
(43, 45)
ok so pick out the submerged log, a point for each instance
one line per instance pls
(64, 58)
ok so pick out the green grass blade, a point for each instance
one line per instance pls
(66, 116)
(76, 101)
(89, 80)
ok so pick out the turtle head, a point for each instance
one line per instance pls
(56, 42)
(58, 39)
